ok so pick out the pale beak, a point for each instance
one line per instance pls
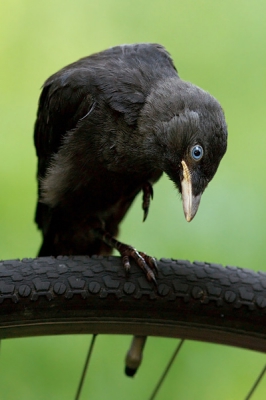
(190, 202)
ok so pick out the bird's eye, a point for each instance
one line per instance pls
(197, 152)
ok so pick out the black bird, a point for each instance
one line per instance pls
(107, 127)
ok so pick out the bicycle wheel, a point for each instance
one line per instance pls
(68, 295)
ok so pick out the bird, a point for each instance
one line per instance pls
(108, 126)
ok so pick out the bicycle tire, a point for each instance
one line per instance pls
(74, 295)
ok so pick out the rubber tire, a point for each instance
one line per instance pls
(69, 295)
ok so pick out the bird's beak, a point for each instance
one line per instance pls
(190, 202)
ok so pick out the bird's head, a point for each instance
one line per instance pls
(190, 133)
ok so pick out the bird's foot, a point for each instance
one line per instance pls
(146, 263)
(146, 199)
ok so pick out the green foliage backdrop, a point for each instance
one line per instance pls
(218, 45)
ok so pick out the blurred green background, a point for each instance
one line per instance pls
(218, 45)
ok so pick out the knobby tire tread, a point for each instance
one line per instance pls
(70, 295)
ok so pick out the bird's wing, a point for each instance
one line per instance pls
(64, 101)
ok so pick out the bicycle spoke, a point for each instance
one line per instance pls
(256, 383)
(85, 368)
(167, 369)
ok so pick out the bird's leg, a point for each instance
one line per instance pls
(146, 199)
(145, 262)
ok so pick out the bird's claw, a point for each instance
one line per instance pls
(151, 261)
(146, 263)
(146, 199)
(126, 263)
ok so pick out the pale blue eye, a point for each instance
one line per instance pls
(197, 152)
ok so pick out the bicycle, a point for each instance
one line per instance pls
(78, 295)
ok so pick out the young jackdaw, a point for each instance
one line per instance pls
(107, 127)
